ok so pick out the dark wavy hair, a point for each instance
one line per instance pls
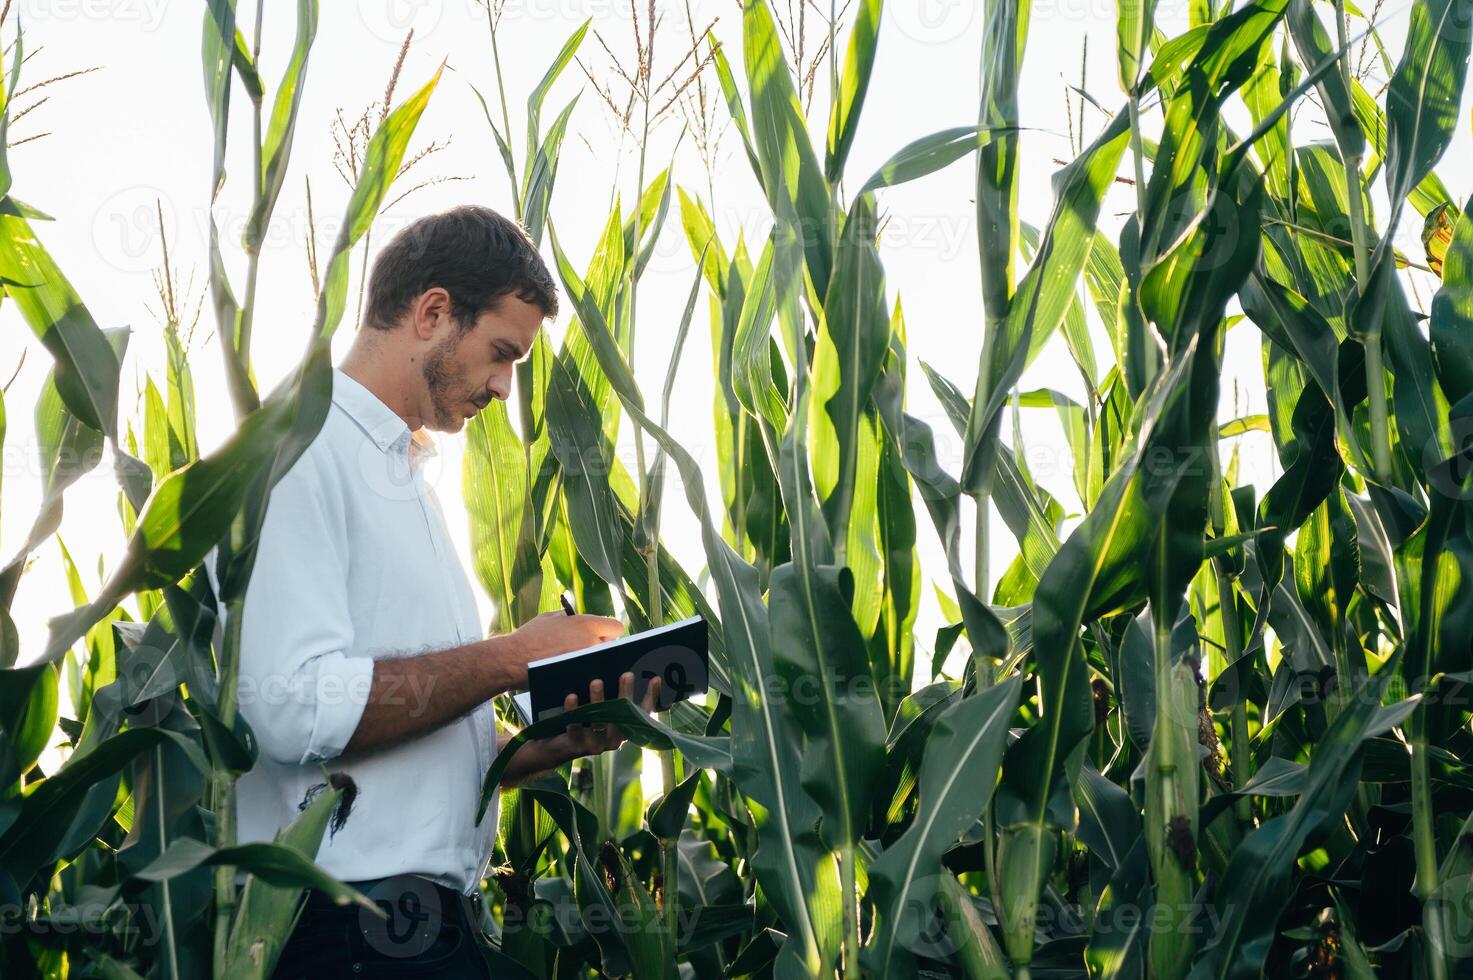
(472, 252)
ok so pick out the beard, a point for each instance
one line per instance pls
(446, 385)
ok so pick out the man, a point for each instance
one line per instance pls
(361, 648)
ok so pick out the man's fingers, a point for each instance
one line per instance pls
(626, 685)
(604, 627)
(569, 703)
(596, 696)
(651, 695)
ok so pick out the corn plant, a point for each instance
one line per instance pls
(1112, 618)
(138, 822)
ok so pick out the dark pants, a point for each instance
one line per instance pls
(428, 931)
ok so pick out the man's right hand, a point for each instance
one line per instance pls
(553, 633)
(448, 683)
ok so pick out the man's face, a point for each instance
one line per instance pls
(464, 370)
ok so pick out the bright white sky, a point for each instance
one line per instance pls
(136, 132)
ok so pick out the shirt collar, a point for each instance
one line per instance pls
(422, 445)
(379, 422)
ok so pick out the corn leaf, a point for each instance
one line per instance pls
(1422, 100)
(539, 94)
(1135, 23)
(765, 744)
(1450, 328)
(791, 176)
(706, 752)
(47, 813)
(277, 147)
(86, 373)
(498, 504)
(849, 351)
(859, 63)
(1044, 294)
(1255, 887)
(278, 873)
(1005, 37)
(958, 775)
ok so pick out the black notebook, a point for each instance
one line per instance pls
(677, 653)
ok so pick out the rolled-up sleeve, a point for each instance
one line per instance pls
(300, 690)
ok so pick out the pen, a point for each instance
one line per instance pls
(567, 604)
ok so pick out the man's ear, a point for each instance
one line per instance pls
(430, 312)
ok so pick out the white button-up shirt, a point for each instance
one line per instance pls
(354, 565)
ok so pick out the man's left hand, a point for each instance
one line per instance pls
(581, 740)
(576, 741)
